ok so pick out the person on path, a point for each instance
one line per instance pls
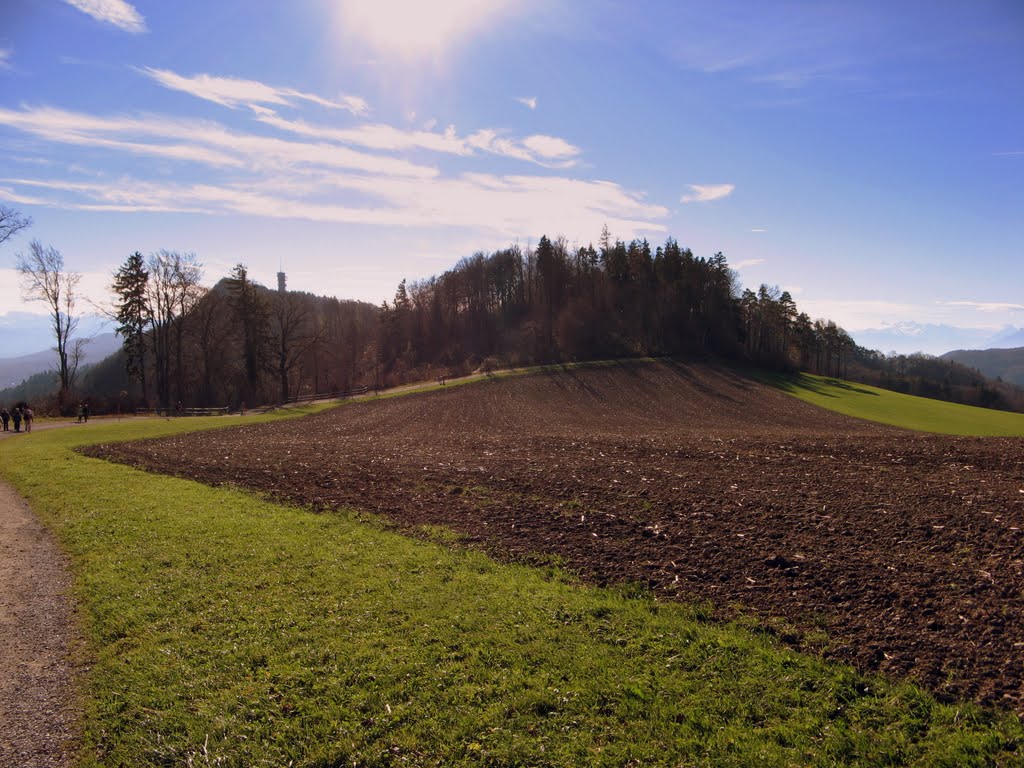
(17, 419)
(81, 412)
(6, 416)
(28, 419)
(85, 412)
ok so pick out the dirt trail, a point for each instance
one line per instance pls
(39, 712)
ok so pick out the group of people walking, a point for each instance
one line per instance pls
(20, 414)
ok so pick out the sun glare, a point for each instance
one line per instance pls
(417, 29)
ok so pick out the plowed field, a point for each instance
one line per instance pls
(906, 548)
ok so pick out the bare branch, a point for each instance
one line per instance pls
(11, 222)
(44, 279)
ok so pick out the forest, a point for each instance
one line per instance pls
(240, 342)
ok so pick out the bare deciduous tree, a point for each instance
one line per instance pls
(45, 279)
(11, 222)
(172, 290)
(295, 329)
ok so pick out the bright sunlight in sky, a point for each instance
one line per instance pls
(412, 29)
(867, 157)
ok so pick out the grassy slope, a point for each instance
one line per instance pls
(882, 405)
(229, 631)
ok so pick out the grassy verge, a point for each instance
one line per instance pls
(882, 405)
(229, 631)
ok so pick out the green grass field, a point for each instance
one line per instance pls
(899, 410)
(224, 630)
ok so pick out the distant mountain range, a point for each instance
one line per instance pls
(936, 339)
(14, 370)
(1007, 364)
(25, 333)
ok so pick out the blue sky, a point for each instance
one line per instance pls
(868, 157)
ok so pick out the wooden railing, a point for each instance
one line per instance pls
(221, 411)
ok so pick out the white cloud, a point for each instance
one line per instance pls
(202, 167)
(375, 135)
(856, 315)
(530, 101)
(233, 92)
(197, 141)
(544, 150)
(508, 206)
(703, 193)
(116, 12)
(550, 151)
(758, 229)
(748, 263)
(986, 306)
(859, 314)
(540, 149)
(5, 58)
(550, 147)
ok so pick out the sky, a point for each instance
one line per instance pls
(867, 157)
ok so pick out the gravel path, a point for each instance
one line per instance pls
(39, 713)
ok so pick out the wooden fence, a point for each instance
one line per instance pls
(222, 411)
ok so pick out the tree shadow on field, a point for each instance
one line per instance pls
(823, 387)
(702, 383)
(557, 375)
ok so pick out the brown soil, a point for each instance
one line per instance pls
(906, 548)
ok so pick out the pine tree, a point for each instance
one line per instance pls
(133, 315)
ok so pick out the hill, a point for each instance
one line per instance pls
(886, 406)
(14, 370)
(691, 479)
(1007, 364)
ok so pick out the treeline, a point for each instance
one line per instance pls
(242, 342)
(556, 303)
(235, 343)
(928, 376)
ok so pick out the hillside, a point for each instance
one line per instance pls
(1007, 364)
(14, 370)
(692, 480)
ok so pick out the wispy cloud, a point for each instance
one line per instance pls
(530, 101)
(550, 147)
(703, 193)
(508, 206)
(543, 150)
(748, 263)
(317, 175)
(867, 315)
(198, 141)
(783, 46)
(5, 58)
(550, 151)
(986, 306)
(758, 229)
(546, 150)
(234, 92)
(373, 135)
(1012, 153)
(116, 12)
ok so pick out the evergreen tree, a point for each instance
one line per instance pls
(133, 315)
(252, 314)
